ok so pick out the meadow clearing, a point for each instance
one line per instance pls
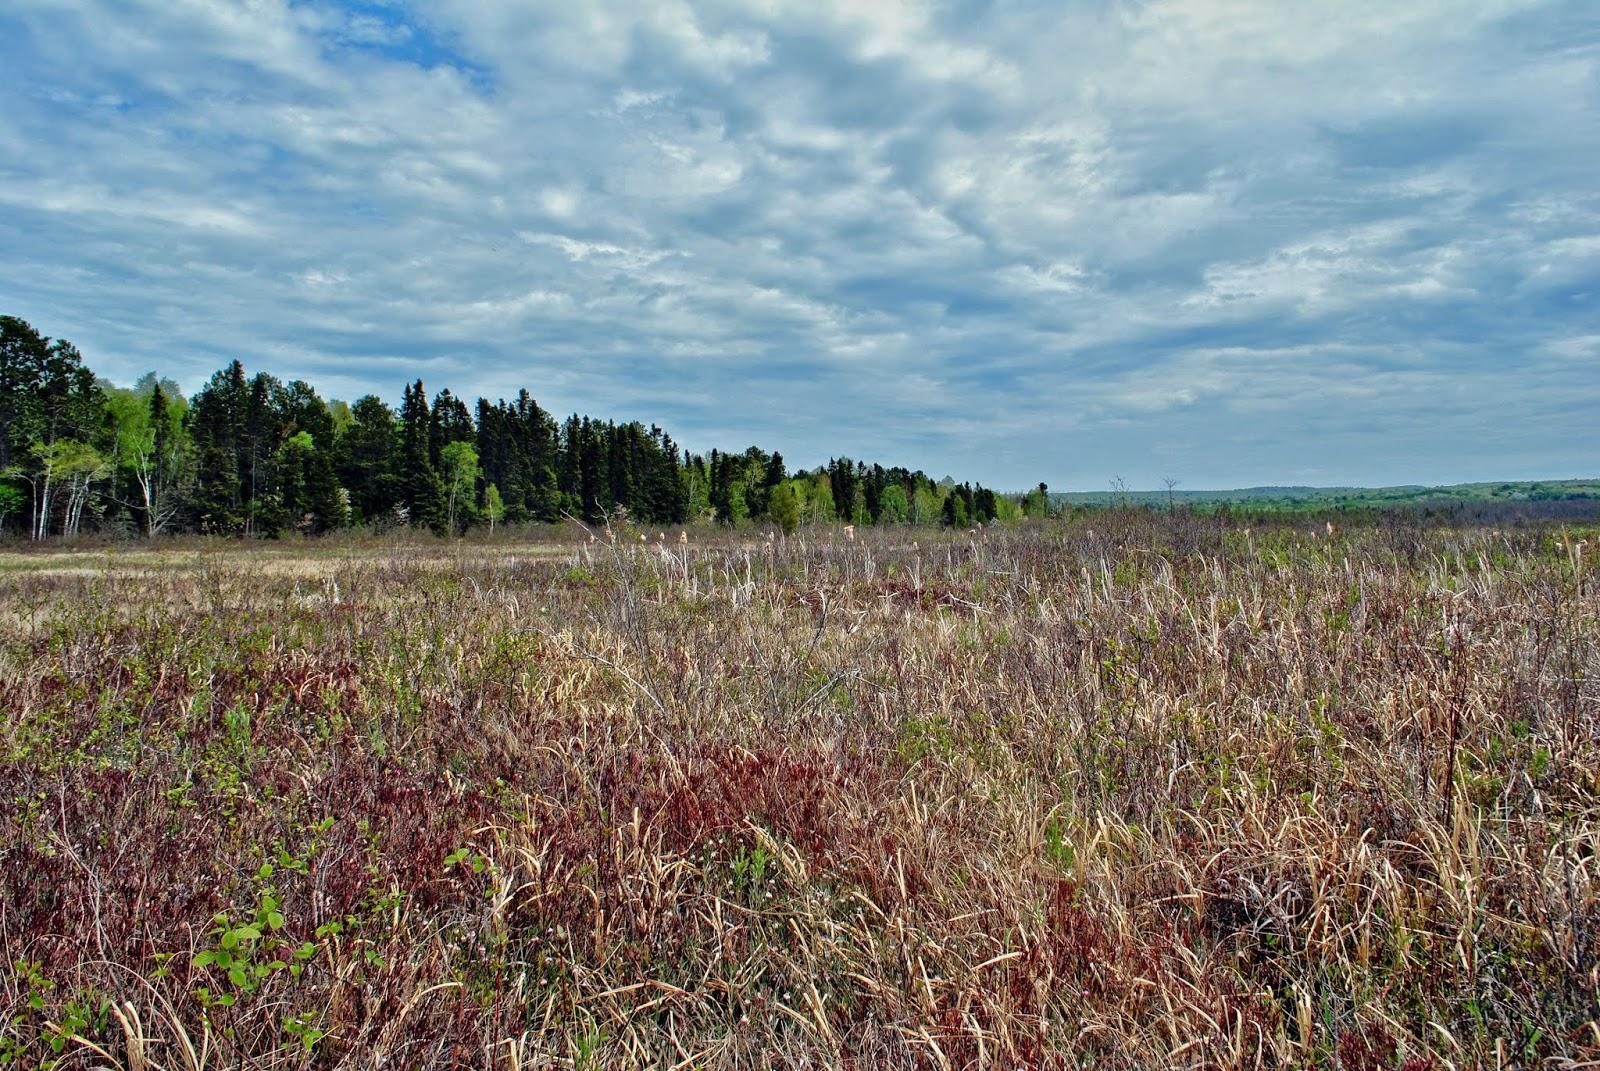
(1133, 790)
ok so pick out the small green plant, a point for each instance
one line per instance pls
(247, 948)
(1057, 848)
(750, 868)
(468, 858)
(586, 1047)
(305, 1028)
(61, 1021)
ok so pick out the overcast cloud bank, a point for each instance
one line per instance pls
(1233, 241)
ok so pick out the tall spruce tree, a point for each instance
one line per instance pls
(420, 490)
(216, 424)
(366, 459)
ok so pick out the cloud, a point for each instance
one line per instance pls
(1236, 241)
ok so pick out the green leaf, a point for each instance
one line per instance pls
(205, 959)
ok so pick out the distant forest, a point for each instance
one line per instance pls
(1527, 497)
(251, 455)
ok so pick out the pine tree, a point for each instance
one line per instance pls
(448, 422)
(264, 433)
(536, 438)
(216, 423)
(667, 495)
(365, 459)
(984, 506)
(721, 487)
(420, 492)
(594, 488)
(842, 480)
(569, 479)
(620, 452)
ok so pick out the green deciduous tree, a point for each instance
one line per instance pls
(13, 499)
(783, 505)
(494, 506)
(459, 464)
(70, 467)
(1037, 502)
(152, 451)
(893, 505)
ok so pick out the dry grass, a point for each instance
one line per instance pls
(1133, 792)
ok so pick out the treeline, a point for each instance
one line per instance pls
(252, 455)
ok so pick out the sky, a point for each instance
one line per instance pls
(1227, 242)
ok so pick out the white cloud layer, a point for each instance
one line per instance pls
(1237, 241)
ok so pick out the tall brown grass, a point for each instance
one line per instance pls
(1137, 791)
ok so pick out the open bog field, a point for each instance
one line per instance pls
(1135, 791)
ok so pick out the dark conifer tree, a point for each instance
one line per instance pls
(304, 410)
(666, 498)
(46, 393)
(325, 500)
(263, 434)
(448, 422)
(217, 425)
(873, 482)
(842, 477)
(23, 357)
(775, 473)
(366, 459)
(721, 487)
(569, 475)
(594, 482)
(420, 492)
(622, 465)
(984, 506)
(536, 441)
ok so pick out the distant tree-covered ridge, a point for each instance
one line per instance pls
(252, 455)
(1312, 499)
